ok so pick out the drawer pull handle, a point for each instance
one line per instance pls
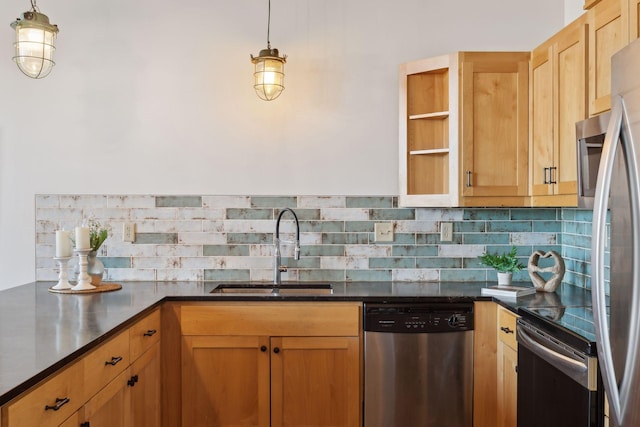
(506, 330)
(263, 348)
(150, 333)
(132, 381)
(276, 350)
(114, 361)
(59, 404)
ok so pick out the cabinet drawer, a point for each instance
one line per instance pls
(144, 334)
(272, 319)
(507, 327)
(64, 390)
(105, 362)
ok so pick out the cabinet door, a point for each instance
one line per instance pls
(145, 389)
(315, 381)
(570, 63)
(634, 19)
(507, 385)
(494, 128)
(542, 89)
(110, 407)
(225, 381)
(608, 33)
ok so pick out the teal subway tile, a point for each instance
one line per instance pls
(579, 254)
(398, 239)
(577, 240)
(116, 262)
(178, 201)
(547, 226)
(520, 276)
(322, 275)
(249, 238)
(501, 249)
(369, 275)
(545, 248)
(392, 214)
(438, 262)
(568, 214)
(414, 250)
(392, 262)
(227, 274)
(274, 202)
(369, 202)
(472, 263)
(534, 214)
(509, 226)
(345, 238)
(486, 239)
(322, 250)
(247, 213)
(573, 227)
(303, 262)
(462, 275)
(469, 227)
(584, 215)
(359, 226)
(156, 238)
(321, 226)
(486, 214)
(302, 214)
(434, 239)
(225, 250)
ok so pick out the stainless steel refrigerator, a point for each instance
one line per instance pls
(616, 233)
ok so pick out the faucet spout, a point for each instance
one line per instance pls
(278, 268)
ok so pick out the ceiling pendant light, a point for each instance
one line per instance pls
(268, 71)
(34, 46)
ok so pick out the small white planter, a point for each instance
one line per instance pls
(504, 279)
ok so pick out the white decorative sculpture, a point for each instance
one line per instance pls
(557, 271)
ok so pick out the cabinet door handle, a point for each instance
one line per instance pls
(506, 330)
(544, 175)
(114, 361)
(150, 333)
(85, 424)
(132, 381)
(276, 350)
(468, 178)
(263, 348)
(60, 402)
(552, 175)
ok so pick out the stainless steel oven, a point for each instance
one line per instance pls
(590, 135)
(559, 384)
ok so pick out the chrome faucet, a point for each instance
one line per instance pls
(278, 268)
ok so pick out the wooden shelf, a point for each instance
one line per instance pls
(433, 116)
(422, 152)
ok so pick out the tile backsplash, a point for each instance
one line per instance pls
(220, 238)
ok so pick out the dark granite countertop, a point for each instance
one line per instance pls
(41, 331)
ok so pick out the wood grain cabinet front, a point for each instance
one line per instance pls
(270, 364)
(507, 369)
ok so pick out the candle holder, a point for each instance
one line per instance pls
(63, 275)
(84, 280)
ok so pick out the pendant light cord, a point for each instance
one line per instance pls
(268, 25)
(35, 8)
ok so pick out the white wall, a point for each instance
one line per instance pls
(156, 97)
(572, 9)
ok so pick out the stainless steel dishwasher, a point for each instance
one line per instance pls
(418, 365)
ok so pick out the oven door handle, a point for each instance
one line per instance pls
(576, 368)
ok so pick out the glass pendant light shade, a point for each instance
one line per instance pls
(35, 44)
(268, 74)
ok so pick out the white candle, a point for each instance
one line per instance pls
(82, 238)
(63, 244)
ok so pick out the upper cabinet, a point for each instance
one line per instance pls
(463, 130)
(634, 21)
(558, 99)
(608, 33)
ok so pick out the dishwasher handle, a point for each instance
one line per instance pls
(581, 368)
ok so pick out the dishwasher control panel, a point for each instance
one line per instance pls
(418, 318)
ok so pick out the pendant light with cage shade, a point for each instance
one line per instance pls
(268, 71)
(35, 43)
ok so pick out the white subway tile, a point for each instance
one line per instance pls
(131, 201)
(226, 201)
(350, 214)
(462, 251)
(314, 202)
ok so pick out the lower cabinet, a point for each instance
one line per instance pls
(507, 369)
(270, 364)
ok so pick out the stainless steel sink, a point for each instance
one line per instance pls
(300, 288)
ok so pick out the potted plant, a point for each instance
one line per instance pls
(97, 235)
(505, 264)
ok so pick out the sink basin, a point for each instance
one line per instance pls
(270, 288)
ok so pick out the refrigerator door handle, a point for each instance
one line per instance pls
(616, 134)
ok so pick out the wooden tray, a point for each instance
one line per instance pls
(104, 287)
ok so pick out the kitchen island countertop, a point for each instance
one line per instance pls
(40, 331)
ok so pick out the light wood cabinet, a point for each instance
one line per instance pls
(558, 100)
(485, 364)
(270, 364)
(463, 130)
(102, 388)
(507, 369)
(634, 19)
(608, 33)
